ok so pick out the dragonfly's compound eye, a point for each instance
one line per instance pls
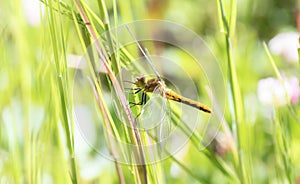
(141, 78)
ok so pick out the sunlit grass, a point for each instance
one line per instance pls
(38, 141)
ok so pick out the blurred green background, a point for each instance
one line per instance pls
(40, 143)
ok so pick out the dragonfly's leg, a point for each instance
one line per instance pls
(132, 89)
(143, 101)
(144, 98)
(128, 81)
(138, 115)
(132, 104)
(138, 90)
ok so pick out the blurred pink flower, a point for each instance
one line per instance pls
(286, 45)
(271, 92)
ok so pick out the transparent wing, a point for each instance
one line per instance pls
(155, 116)
(165, 128)
(144, 52)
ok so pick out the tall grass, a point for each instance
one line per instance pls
(240, 126)
(37, 124)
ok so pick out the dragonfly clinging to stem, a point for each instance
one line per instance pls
(150, 85)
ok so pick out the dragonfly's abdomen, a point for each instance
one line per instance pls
(175, 97)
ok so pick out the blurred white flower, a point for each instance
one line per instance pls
(33, 10)
(286, 45)
(80, 62)
(271, 92)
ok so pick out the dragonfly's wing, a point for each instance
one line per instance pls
(144, 52)
(157, 114)
(151, 63)
(164, 129)
(151, 112)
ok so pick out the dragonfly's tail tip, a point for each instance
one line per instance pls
(208, 110)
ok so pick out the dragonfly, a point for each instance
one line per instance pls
(157, 84)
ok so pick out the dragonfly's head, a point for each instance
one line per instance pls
(140, 81)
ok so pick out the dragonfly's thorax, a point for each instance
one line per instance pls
(154, 83)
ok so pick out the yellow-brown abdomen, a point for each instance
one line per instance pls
(175, 97)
